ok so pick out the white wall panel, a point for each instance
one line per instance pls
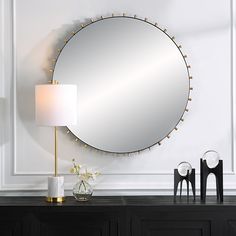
(32, 30)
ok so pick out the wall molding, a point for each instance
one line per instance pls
(45, 173)
(8, 154)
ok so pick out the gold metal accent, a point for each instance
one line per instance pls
(55, 150)
(55, 199)
(68, 131)
(53, 81)
(51, 70)
(76, 140)
(58, 49)
(82, 26)
(73, 32)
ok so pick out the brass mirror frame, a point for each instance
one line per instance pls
(164, 30)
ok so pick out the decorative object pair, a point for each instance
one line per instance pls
(209, 163)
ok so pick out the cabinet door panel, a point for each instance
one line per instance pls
(10, 224)
(177, 228)
(166, 222)
(76, 223)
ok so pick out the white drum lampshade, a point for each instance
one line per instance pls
(56, 105)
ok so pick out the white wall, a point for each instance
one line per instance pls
(31, 29)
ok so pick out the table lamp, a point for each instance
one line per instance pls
(55, 105)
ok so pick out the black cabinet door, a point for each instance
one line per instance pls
(79, 223)
(166, 221)
(229, 221)
(11, 223)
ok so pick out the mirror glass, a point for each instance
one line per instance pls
(133, 83)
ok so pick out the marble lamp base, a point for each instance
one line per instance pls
(55, 189)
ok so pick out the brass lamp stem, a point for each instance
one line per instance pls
(55, 143)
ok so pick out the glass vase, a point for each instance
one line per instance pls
(82, 190)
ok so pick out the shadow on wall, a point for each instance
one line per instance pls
(35, 69)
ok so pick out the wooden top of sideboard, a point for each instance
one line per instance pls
(117, 201)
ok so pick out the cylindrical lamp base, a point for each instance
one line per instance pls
(55, 189)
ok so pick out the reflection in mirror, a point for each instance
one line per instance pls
(133, 83)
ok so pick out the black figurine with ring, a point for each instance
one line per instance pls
(210, 163)
(187, 173)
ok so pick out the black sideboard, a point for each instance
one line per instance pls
(117, 216)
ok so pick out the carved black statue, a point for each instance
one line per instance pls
(189, 178)
(218, 172)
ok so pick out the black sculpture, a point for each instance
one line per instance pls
(218, 172)
(189, 178)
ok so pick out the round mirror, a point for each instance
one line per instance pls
(133, 83)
